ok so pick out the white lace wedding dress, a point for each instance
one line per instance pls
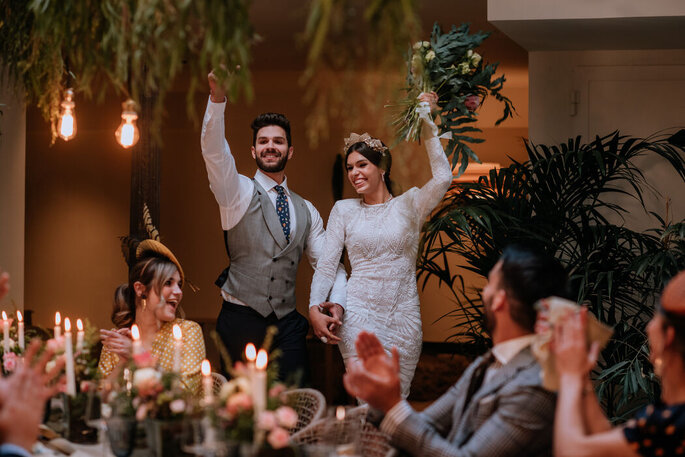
(382, 244)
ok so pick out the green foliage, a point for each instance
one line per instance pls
(558, 200)
(136, 47)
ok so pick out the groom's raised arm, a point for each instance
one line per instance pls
(232, 190)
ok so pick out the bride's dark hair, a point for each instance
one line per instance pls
(381, 160)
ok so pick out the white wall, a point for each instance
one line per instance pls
(12, 173)
(581, 9)
(596, 92)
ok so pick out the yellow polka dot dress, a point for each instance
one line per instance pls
(163, 350)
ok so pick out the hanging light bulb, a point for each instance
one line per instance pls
(127, 134)
(67, 122)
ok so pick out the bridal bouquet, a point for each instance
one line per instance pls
(450, 66)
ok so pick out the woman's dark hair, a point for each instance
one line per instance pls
(529, 275)
(152, 272)
(267, 119)
(381, 160)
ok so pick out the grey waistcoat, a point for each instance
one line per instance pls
(263, 265)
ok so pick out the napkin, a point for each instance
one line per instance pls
(556, 308)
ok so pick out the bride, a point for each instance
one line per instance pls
(381, 234)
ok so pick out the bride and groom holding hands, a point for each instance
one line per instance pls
(268, 227)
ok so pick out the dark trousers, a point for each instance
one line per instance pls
(238, 325)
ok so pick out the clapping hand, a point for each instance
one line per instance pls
(23, 395)
(117, 341)
(570, 346)
(375, 377)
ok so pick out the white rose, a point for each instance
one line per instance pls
(469, 53)
(144, 374)
(426, 44)
(463, 68)
(430, 55)
(475, 59)
(235, 385)
(417, 46)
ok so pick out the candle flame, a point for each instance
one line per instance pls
(58, 318)
(262, 359)
(79, 325)
(19, 316)
(135, 333)
(67, 325)
(250, 352)
(206, 368)
(340, 413)
(177, 332)
(4, 316)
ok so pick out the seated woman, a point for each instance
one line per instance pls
(580, 427)
(150, 299)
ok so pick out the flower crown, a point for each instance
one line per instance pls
(373, 143)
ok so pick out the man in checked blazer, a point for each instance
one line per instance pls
(498, 407)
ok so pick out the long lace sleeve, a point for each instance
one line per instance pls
(432, 192)
(327, 266)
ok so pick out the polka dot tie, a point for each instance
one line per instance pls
(283, 211)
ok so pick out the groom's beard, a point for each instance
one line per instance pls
(274, 167)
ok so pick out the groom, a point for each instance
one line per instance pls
(267, 227)
(498, 407)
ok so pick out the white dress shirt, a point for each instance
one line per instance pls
(233, 193)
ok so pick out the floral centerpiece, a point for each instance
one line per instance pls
(449, 65)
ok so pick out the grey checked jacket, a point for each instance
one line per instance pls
(510, 415)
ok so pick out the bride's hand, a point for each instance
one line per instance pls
(431, 98)
(321, 324)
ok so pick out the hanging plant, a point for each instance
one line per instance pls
(352, 48)
(136, 47)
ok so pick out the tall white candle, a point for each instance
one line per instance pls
(259, 383)
(20, 330)
(5, 333)
(79, 335)
(207, 381)
(137, 344)
(251, 356)
(58, 325)
(69, 356)
(178, 347)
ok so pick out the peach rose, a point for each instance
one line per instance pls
(266, 420)
(278, 438)
(286, 416)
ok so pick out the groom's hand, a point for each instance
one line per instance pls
(216, 92)
(336, 311)
(321, 324)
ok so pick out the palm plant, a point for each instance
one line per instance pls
(558, 200)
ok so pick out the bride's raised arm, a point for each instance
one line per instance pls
(327, 266)
(432, 192)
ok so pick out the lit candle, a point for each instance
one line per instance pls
(58, 325)
(5, 333)
(259, 383)
(178, 347)
(207, 381)
(251, 356)
(20, 330)
(79, 335)
(69, 356)
(340, 413)
(137, 344)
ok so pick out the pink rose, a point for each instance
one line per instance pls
(278, 438)
(85, 386)
(141, 412)
(276, 390)
(286, 416)
(238, 402)
(266, 420)
(177, 406)
(145, 360)
(150, 387)
(472, 102)
(9, 361)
